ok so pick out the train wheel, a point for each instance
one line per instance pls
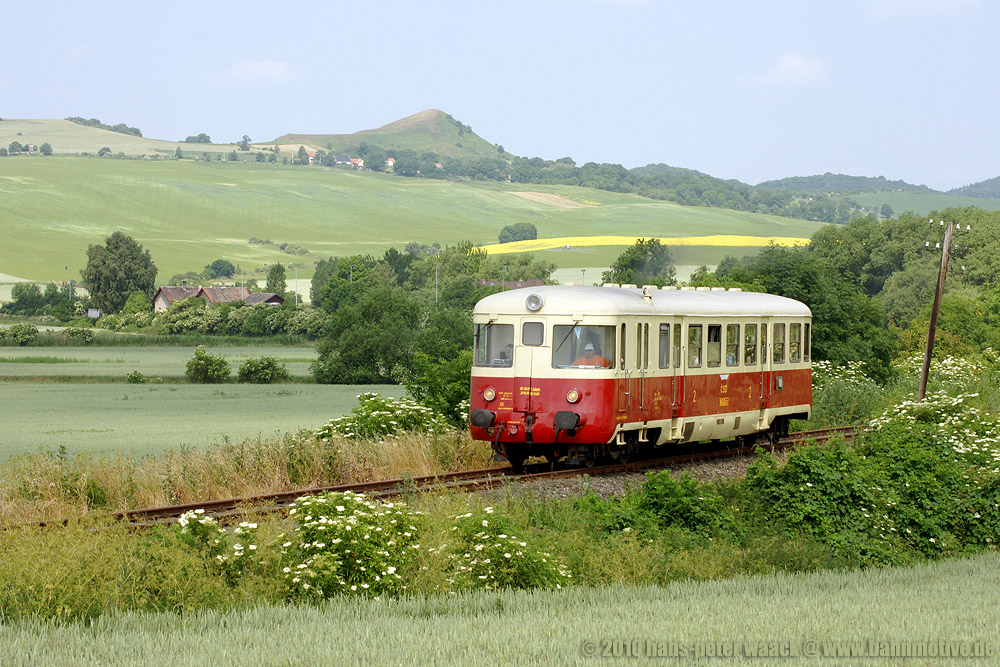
(590, 458)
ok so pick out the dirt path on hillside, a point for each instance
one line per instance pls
(552, 200)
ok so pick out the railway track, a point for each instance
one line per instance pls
(230, 509)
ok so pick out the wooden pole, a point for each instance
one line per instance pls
(934, 312)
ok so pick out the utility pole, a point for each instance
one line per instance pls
(583, 277)
(69, 274)
(296, 287)
(932, 329)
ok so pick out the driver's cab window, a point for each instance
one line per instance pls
(494, 345)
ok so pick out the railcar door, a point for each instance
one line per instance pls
(765, 367)
(639, 363)
(527, 391)
(624, 374)
(661, 386)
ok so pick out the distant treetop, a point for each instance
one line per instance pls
(93, 122)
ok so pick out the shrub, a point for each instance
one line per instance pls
(682, 502)
(207, 368)
(265, 370)
(80, 335)
(137, 302)
(22, 333)
(375, 416)
(347, 544)
(135, 377)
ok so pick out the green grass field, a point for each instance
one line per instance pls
(950, 601)
(921, 203)
(143, 419)
(188, 214)
(160, 361)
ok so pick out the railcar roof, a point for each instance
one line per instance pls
(577, 300)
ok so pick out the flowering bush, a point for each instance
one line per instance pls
(843, 394)
(963, 430)
(375, 417)
(347, 544)
(487, 556)
(201, 531)
(950, 372)
(21, 333)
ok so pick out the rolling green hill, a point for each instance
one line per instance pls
(68, 138)
(188, 214)
(841, 184)
(430, 131)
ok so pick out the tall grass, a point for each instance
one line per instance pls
(55, 486)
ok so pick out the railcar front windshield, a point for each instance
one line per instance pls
(494, 345)
(579, 346)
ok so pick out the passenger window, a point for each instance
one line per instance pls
(694, 345)
(583, 346)
(638, 347)
(763, 343)
(664, 346)
(779, 344)
(732, 345)
(794, 341)
(808, 342)
(645, 346)
(677, 346)
(750, 345)
(714, 344)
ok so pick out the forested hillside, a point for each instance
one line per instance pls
(830, 184)
(989, 189)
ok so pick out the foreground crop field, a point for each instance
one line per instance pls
(188, 214)
(950, 601)
(143, 419)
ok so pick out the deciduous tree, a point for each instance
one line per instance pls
(116, 269)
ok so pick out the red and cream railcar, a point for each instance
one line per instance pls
(587, 372)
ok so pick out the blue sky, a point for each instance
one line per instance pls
(906, 89)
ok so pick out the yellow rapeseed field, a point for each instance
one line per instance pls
(578, 241)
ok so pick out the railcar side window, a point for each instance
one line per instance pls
(645, 346)
(578, 346)
(532, 333)
(732, 345)
(779, 343)
(664, 346)
(794, 341)
(694, 345)
(808, 341)
(750, 345)
(494, 345)
(714, 345)
(677, 346)
(763, 343)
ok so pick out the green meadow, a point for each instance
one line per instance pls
(921, 203)
(188, 214)
(150, 418)
(155, 361)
